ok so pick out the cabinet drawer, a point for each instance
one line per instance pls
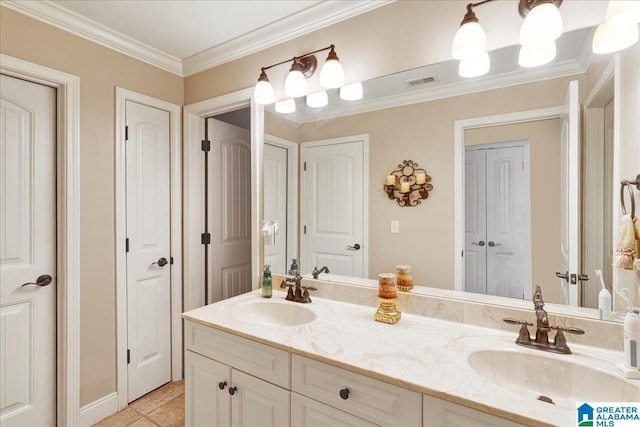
(262, 361)
(440, 413)
(375, 401)
(307, 412)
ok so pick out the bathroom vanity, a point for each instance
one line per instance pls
(252, 361)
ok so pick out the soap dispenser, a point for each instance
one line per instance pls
(293, 270)
(266, 282)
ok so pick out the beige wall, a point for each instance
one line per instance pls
(100, 71)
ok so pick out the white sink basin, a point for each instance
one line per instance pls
(560, 380)
(273, 312)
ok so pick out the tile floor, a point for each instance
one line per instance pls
(163, 407)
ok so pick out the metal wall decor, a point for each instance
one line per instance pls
(408, 185)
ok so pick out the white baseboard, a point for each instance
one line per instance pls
(98, 410)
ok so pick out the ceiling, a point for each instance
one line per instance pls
(189, 36)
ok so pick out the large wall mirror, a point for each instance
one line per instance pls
(313, 185)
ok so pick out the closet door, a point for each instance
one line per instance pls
(475, 253)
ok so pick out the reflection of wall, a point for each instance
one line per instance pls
(423, 133)
(544, 149)
(100, 70)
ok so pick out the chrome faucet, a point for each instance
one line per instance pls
(541, 340)
(295, 292)
(317, 272)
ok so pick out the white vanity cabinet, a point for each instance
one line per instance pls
(231, 381)
(375, 401)
(440, 413)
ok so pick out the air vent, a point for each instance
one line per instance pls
(421, 81)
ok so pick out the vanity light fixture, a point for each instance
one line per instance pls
(302, 68)
(620, 29)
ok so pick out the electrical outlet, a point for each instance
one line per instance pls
(395, 227)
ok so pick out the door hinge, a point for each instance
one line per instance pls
(305, 229)
(462, 254)
(171, 260)
(205, 238)
(128, 356)
(126, 245)
(305, 166)
(206, 145)
(126, 133)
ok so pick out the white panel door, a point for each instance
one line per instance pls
(570, 196)
(148, 256)
(27, 252)
(258, 403)
(333, 207)
(475, 221)
(229, 210)
(275, 205)
(505, 222)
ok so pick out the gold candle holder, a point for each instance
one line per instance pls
(387, 311)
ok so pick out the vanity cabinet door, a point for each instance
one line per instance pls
(258, 403)
(307, 412)
(206, 404)
(440, 413)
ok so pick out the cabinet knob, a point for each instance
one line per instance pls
(344, 393)
(232, 390)
(222, 385)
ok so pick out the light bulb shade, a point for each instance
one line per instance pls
(332, 74)
(295, 84)
(317, 99)
(470, 41)
(263, 92)
(474, 67)
(287, 106)
(542, 24)
(351, 92)
(534, 55)
(609, 38)
(623, 13)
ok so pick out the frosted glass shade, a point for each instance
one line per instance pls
(470, 41)
(332, 74)
(542, 24)
(623, 13)
(351, 92)
(610, 38)
(534, 55)
(474, 67)
(287, 106)
(317, 99)
(263, 93)
(295, 84)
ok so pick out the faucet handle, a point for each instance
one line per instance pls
(311, 288)
(569, 330)
(513, 321)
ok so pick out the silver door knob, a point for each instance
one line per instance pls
(43, 280)
(492, 244)
(564, 276)
(355, 247)
(161, 262)
(480, 243)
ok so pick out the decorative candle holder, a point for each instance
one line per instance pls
(408, 185)
(387, 311)
(405, 278)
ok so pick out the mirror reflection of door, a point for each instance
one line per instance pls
(497, 241)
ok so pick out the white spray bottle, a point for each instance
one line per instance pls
(630, 368)
(604, 299)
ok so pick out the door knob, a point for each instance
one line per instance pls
(583, 277)
(355, 247)
(480, 243)
(161, 262)
(43, 280)
(492, 244)
(564, 276)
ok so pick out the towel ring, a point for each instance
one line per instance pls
(627, 184)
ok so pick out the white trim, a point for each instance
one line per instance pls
(123, 95)
(68, 228)
(365, 188)
(459, 127)
(98, 410)
(288, 28)
(193, 188)
(76, 24)
(292, 191)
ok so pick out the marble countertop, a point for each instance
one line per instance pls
(419, 353)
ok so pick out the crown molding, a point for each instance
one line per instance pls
(562, 69)
(52, 14)
(296, 25)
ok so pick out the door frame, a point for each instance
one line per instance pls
(365, 188)
(292, 190)
(459, 127)
(123, 95)
(193, 188)
(67, 229)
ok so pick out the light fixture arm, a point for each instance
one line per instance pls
(525, 6)
(301, 57)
